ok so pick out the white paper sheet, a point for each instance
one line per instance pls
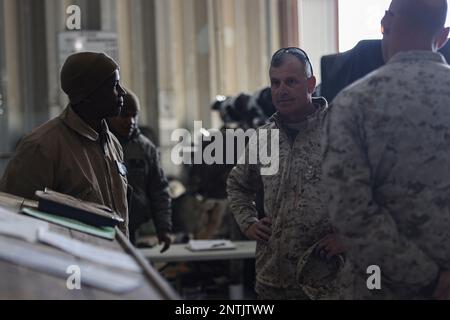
(12, 216)
(203, 245)
(18, 226)
(90, 275)
(33, 230)
(88, 251)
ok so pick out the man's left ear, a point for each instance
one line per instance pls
(312, 85)
(443, 38)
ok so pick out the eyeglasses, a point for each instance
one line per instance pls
(297, 52)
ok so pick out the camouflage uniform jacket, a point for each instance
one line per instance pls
(292, 198)
(386, 166)
(150, 198)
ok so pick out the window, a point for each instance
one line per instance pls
(360, 19)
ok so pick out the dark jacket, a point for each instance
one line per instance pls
(150, 198)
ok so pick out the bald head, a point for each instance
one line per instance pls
(426, 17)
(414, 25)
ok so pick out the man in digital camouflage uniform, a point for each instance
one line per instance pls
(295, 216)
(386, 162)
(151, 198)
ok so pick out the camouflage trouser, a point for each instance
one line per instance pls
(271, 293)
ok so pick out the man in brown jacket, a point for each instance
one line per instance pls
(75, 153)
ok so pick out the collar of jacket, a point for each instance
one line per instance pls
(135, 134)
(74, 122)
(417, 55)
(123, 141)
(321, 105)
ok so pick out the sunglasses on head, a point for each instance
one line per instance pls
(299, 53)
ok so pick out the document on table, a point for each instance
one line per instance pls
(206, 245)
(9, 215)
(89, 252)
(91, 275)
(17, 226)
(13, 225)
(32, 230)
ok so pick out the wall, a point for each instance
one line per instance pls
(318, 30)
(177, 55)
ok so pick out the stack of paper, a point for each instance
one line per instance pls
(18, 226)
(204, 245)
(32, 230)
(37, 259)
(13, 225)
(107, 257)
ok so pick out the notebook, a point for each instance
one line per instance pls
(102, 232)
(70, 207)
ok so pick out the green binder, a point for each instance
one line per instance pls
(102, 232)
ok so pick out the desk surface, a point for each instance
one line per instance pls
(19, 282)
(179, 252)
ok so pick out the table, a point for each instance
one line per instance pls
(19, 282)
(179, 253)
